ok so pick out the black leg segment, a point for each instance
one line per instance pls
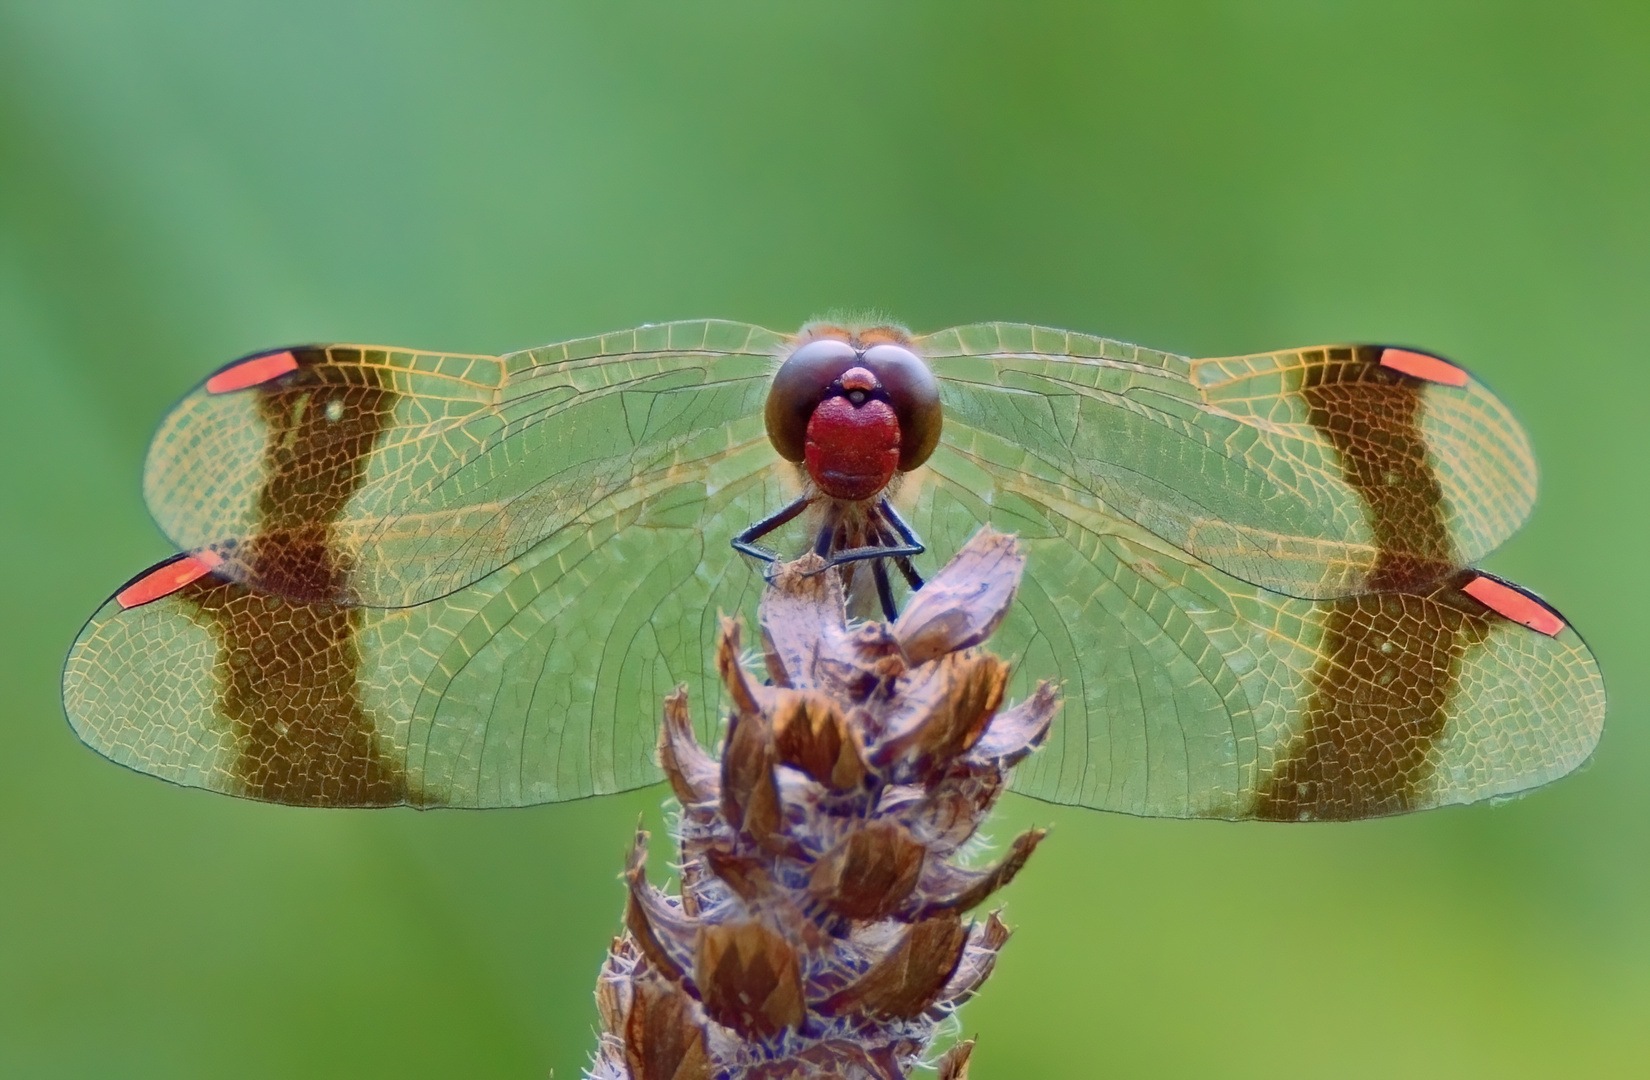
(887, 536)
(745, 542)
(885, 591)
(906, 545)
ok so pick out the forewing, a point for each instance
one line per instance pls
(539, 683)
(1315, 473)
(1190, 693)
(388, 477)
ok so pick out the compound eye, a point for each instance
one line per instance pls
(915, 396)
(798, 387)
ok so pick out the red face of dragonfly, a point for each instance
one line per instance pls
(855, 409)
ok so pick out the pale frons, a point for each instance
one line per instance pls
(820, 930)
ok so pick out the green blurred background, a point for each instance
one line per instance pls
(181, 183)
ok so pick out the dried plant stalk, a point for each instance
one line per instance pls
(820, 931)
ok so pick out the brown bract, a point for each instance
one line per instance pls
(821, 930)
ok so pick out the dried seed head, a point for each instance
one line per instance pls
(910, 978)
(692, 774)
(977, 961)
(748, 978)
(953, 888)
(812, 734)
(953, 1064)
(944, 709)
(820, 929)
(869, 872)
(662, 930)
(974, 592)
(663, 1037)
(807, 619)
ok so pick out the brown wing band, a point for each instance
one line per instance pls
(1380, 698)
(1389, 656)
(289, 671)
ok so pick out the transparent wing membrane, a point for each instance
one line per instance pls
(1189, 693)
(419, 473)
(1296, 471)
(540, 683)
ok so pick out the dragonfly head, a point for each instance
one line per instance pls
(855, 408)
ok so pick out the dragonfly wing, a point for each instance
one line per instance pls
(1312, 472)
(1247, 572)
(389, 477)
(1191, 693)
(539, 683)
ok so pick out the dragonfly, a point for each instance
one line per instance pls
(433, 579)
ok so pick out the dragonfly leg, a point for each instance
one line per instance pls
(891, 538)
(885, 591)
(909, 535)
(828, 534)
(906, 532)
(909, 572)
(745, 543)
(906, 544)
(886, 536)
(859, 554)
